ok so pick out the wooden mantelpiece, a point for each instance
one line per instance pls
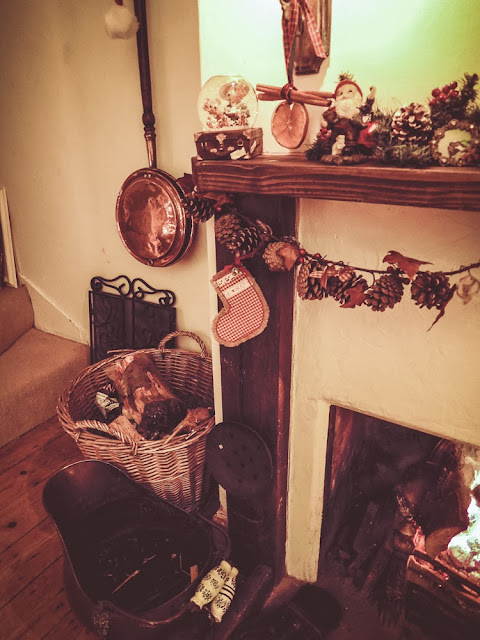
(292, 175)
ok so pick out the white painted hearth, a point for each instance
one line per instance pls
(388, 365)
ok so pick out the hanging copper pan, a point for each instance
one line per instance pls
(150, 214)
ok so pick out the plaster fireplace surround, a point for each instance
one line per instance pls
(387, 365)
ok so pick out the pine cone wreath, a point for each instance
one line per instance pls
(411, 124)
(198, 208)
(308, 287)
(454, 101)
(385, 292)
(431, 289)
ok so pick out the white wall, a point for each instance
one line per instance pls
(403, 48)
(71, 133)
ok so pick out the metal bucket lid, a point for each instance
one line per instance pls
(239, 459)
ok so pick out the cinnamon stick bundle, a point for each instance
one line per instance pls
(316, 98)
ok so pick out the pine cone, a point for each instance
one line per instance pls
(199, 209)
(226, 227)
(411, 124)
(431, 289)
(385, 292)
(309, 288)
(246, 241)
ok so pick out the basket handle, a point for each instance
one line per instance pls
(83, 425)
(188, 334)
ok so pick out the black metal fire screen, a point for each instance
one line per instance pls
(121, 318)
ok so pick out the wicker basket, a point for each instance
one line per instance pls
(174, 467)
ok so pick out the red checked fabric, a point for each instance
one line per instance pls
(290, 20)
(245, 311)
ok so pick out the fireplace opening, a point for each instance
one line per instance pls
(400, 539)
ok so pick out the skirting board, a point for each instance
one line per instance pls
(10, 276)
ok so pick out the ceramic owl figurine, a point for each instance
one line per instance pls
(211, 584)
(223, 600)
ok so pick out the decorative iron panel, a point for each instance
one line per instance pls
(121, 318)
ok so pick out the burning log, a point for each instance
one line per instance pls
(464, 549)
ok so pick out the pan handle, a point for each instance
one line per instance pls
(148, 117)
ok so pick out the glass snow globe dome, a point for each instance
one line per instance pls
(227, 102)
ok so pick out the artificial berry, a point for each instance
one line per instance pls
(317, 256)
(302, 252)
(300, 260)
(436, 92)
(218, 208)
(442, 97)
(453, 94)
(446, 88)
(433, 101)
(453, 85)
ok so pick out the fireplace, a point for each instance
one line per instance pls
(386, 365)
(401, 524)
(314, 355)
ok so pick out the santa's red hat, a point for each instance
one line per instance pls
(342, 83)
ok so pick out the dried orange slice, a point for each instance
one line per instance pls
(290, 124)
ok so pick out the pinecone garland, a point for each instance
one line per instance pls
(411, 124)
(385, 292)
(309, 288)
(199, 209)
(431, 289)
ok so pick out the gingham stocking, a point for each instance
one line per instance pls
(245, 311)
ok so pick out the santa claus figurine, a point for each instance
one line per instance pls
(349, 120)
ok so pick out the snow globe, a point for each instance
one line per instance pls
(227, 107)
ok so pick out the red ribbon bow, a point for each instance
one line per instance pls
(290, 18)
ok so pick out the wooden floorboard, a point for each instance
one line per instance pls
(33, 603)
(28, 443)
(35, 469)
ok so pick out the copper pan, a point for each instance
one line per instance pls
(149, 211)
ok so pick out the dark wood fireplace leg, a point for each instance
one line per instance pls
(256, 379)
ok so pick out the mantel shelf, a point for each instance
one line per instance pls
(292, 175)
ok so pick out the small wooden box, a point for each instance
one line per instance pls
(229, 144)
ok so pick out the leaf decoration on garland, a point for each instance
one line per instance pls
(468, 287)
(331, 270)
(410, 266)
(355, 296)
(444, 304)
(221, 199)
(290, 254)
